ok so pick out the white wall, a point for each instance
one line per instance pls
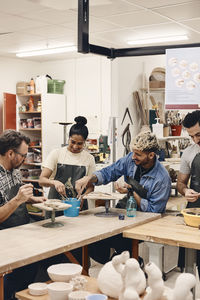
(95, 86)
(128, 76)
(87, 88)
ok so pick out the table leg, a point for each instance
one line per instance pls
(190, 264)
(1, 287)
(135, 245)
(84, 259)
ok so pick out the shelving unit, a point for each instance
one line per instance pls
(25, 120)
(44, 139)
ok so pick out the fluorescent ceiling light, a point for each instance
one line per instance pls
(47, 51)
(159, 40)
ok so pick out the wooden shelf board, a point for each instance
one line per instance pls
(30, 129)
(28, 95)
(30, 180)
(29, 112)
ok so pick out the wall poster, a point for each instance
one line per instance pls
(182, 78)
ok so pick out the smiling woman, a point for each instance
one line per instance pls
(66, 165)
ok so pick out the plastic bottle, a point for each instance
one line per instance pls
(32, 86)
(131, 207)
(31, 104)
(158, 129)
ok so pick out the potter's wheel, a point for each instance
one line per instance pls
(52, 205)
(107, 197)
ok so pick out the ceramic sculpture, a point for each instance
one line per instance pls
(123, 279)
(155, 282)
(109, 280)
(184, 283)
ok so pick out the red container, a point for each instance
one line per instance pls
(176, 130)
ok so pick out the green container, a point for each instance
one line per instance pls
(55, 86)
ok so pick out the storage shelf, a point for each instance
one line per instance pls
(153, 89)
(35, 147)
(28, 95)
(173, 137)
(30, 129)
(32, 164)
(29, 112)
(30, 180)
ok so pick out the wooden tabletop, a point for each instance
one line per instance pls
(176, 203)
(25, 244)
(169, 230)
(91, 286)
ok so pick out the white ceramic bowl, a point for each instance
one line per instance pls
(64, 272)
(59, 290)
(37, 288)
(78, 295)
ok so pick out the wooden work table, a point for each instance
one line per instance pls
(176, 203)
(29, 243)
(170, 230)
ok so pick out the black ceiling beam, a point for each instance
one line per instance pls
(153, 50)
(83, 26)
(101, 50)
(85, 47)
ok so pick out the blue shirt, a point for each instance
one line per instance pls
(157, 182)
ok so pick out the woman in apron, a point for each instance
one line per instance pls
(64, 166)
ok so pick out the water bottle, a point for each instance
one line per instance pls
(131, 207)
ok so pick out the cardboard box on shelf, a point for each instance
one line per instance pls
(22, 88)
(156, 84)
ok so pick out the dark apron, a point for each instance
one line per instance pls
(66, 173)
(195, 185)
(195, 180)
(20, 216)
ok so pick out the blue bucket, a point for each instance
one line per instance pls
(72, 211)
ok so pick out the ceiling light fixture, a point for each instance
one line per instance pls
(47, 51)
(159, 40)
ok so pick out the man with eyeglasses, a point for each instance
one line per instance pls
(190, 170)
(13, 198)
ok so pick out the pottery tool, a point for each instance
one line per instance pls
(136, 187)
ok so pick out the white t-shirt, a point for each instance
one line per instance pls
(187, 158)
(64, 156)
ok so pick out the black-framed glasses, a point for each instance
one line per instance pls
(22, 155)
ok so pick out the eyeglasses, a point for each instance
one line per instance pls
(22, 155)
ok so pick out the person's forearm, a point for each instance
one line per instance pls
(181, 187)
(46, 182)
(137, 198)
(89, 189)
(7, 209)
(93, 179)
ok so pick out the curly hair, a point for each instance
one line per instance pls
(146, 142)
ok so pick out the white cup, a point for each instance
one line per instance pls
(59, 290)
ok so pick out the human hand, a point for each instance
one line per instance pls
(38, 199)
(25, 193)
(191, 195)
(60, 187)
(81, 184)
(122, 188)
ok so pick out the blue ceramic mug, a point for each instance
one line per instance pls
(72, 211)
(96, 297)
